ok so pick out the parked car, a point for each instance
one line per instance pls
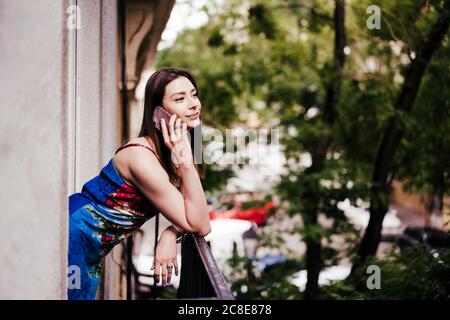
(432, 239)
(327, 276)
(359, 216)
(256, 211)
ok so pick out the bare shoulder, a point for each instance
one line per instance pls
(143, 141)
(131, 159)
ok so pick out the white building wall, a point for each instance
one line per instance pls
(94, 119)
(33, 149)
(58, 120)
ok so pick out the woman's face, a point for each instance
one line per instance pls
(180, 98)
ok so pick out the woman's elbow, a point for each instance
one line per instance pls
(205, 230)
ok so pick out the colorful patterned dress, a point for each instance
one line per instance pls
(102, 215)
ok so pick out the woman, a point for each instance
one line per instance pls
(152, 173)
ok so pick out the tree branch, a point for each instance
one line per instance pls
(408, 93)
(334, 86)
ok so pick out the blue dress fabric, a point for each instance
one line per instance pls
(103, 214)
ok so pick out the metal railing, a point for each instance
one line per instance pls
(200, 276)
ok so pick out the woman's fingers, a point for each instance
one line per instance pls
(157, 272)
(175, 264)
(173, 137)
(165, 133)
(178, 128)
(164, 273)
(184, 130)
(169, 272)
(174, 131)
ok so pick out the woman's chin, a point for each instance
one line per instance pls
(193, 123)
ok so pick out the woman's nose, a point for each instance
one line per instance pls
(193, 103)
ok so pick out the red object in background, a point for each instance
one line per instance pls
(255, 214)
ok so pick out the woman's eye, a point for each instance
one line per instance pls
(179, 99)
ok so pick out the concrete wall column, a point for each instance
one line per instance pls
(33, 149)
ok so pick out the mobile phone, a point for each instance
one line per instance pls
(158, 114)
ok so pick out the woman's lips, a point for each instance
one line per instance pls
(194, 116)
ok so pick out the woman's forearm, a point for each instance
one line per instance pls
(196, 206)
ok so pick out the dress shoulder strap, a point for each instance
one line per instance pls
(136, 145)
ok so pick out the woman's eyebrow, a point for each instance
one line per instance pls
(181, 92)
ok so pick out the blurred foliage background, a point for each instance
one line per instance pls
(366, 106)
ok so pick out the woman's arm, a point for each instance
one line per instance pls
(194, 197)
(187, 210)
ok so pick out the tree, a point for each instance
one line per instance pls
(320, 150)
(355, 121)
(382, 173)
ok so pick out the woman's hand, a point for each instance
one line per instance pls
(176, 139)
(165, 257)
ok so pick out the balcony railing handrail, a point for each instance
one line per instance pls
(200, 276)
(218, 282)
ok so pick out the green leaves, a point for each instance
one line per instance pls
(276, 60)
(262, 21)
(413, 274)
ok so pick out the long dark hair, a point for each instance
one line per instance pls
(154, 93)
